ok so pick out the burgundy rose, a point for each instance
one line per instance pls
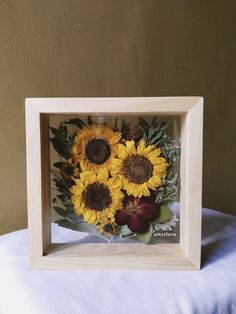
(137, 213)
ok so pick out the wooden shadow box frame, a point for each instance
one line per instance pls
(184, 255)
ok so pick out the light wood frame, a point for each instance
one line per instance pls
(46, 255)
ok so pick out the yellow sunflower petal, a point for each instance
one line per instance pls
(159, 169)
(122, 151)
(131, 147)
(93, 217)
(141, 147)
(115, 138)
(153, 159)
(128, 187)
(75, 149)
(148, 149)
(83, 164)
(78, 211)
(145, 190)
(116, 166)
(139, 190)
(161, 160)
(115, 183)
(154, 182)
(102, 174)
(157, 152)
(87, 175)
(87, 214)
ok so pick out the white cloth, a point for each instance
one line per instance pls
(211, 290)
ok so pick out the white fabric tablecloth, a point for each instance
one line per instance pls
(211, 290)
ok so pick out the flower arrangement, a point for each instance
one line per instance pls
(115, 181)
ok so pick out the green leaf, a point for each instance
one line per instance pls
(54, 131)
(156, 138)
(61, 147)
(76, 121)
(89, 120)
(61, 185)
(164, 214)
(63, 197)
(152, 132)
(75, 219)
(145, 137)
(58, 164)
(60, 133)
(70, 209)
(164, 126)
(145, 237)
(72, 137)
(143, 123)
(60, 211)
(154, 121)
(62, 130)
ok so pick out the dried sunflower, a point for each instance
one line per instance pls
(107, 226)
(69, 170)
(140, 168)
(95, 146)
(96, 196)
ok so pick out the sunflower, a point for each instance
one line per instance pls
(95, 146)
(140, 168)
(107, 226)
(96, 196)
(69, 170)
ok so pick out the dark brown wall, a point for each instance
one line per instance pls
(118, 48)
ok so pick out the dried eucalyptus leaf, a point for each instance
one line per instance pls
(124, 231)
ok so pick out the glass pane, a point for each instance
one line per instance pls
(116, 179)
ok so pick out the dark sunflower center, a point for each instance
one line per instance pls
(97, 151)
(137, 169)
(97, 196)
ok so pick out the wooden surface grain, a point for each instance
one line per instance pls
(182, 256)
